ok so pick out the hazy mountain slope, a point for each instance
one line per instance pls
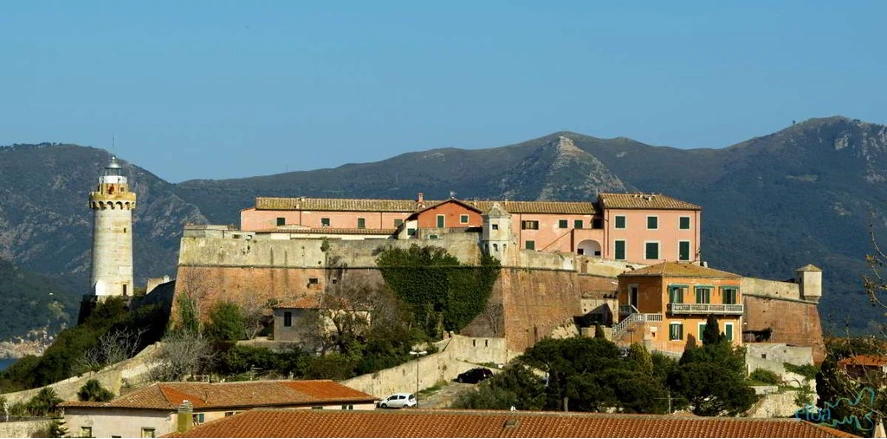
(46, 224)
(806, 194)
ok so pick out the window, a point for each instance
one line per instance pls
(441, 220)
(197, 418)
(312, 281)
(530, 245)
(227, 414)
(148, 432)
(652, 222)
(324, 222)
(361, 223)
(348, 407)
(683, 250)
(494, 226)
(577, 224)
(529, 225)
(703, 294)
(397, 222)
(684, 223)
(563, 224)
(729, 295)
(281, 221)
(619, 250)
(317, 407)
(701, 331)
(676, 331)
(87, 432)
(728, 331)
(463, 219)
(651, 250)
(411, 232)
(676, 294)
(620, 222)
(124, 289)
(287, 319)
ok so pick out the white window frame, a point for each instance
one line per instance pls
(648, 222)
(463, 216)
(658, 250)
(624, 221)
(624, 249)
(438, 223)
(689, 250)
(689, 222)
(732, 332)
(699, 331)
(681, 324)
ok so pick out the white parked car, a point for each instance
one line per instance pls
(397, 401)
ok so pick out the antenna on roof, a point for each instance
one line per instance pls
(452, 194)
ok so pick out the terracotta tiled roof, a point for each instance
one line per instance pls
(864, 360)
(448, 423)
(409, 206)
(339, 204)
(570, 207)
(168, 396)
(644, 201)
(327, 231)
(680, 269)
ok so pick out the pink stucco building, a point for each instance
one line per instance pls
(642, 228)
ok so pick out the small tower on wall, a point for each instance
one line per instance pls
(810, 278)
(496, 235)
(112, 204)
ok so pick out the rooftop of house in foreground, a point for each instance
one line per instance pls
(208, 396)
(453, 423)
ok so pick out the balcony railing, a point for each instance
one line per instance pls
(705, 308)
(625, 310)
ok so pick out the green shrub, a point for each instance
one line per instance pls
(808, 371)
(765, 376)
(93, 391)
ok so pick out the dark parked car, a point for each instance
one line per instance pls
(474, 376)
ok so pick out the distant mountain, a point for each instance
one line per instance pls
(46, 223)
(806, 194)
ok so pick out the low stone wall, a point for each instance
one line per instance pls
(456, 355)
(134, 371)
(771, 356)
(24, 428)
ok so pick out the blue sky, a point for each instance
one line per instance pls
(225, 89)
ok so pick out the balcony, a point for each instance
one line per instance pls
(705, 308)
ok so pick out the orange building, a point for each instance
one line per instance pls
(665, 304)
(642, 228)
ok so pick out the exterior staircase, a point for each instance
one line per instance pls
(632, 320)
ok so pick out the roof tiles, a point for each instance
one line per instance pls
(680, 269)
(168, 396)
(409, 206)
(644, 201)
(451, 423)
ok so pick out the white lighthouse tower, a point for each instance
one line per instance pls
(112, 203)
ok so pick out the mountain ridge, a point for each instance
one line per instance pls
(804, 194)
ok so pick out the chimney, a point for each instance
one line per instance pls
(420, 198)
(184, 417)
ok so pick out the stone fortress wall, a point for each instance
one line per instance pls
(538, 291)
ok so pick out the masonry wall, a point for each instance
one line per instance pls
(24, 428)
(455, 355)
(791, 322)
